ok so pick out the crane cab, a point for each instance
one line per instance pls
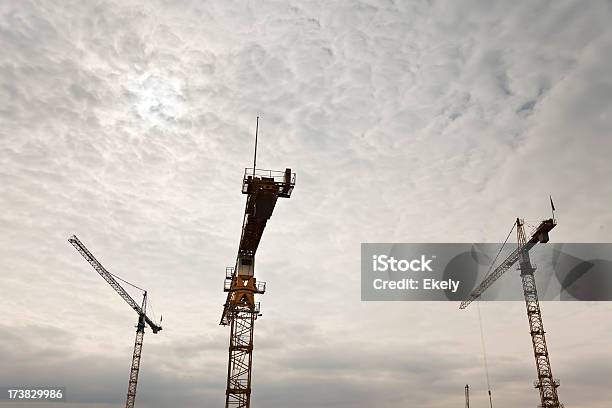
(246, 266)
(541, 233)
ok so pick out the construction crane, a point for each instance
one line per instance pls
(545, 383)
(467, 396)
(143, 319)
(263, 188)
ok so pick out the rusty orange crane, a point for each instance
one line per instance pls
(263, 188)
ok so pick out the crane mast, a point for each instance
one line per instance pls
(143, 319)
(546, 384)
(263, 188)
(137, 353)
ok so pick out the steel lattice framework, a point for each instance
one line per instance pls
(133, 383)
(263, 188)
(546, 384)
(241, 348)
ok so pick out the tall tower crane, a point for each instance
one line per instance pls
(546, 384)
(263, 188)
(140, 309)
(467, 396)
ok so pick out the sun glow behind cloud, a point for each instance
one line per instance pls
(156, 100)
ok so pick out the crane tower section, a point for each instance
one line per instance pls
(546, 384)
(263, 188)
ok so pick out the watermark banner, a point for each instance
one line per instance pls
(451, 271)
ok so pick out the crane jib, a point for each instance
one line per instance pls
(539, 235)
(108, 277)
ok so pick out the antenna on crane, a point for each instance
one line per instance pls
(552, 207)
(255, 154)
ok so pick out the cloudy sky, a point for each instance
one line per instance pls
(130, 124)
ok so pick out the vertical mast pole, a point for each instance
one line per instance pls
(255, 154)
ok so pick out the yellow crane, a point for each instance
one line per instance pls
(263, 188)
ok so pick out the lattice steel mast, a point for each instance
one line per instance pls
(140, 309)
(546, 384)
(263, 188)
(135, 368)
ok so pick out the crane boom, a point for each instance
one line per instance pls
(263, 188)
(539, 235)
(108, 277)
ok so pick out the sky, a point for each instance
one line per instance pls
(130, 123)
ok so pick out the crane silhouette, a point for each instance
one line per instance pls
(143, 319)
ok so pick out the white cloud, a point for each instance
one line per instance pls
(129, 124)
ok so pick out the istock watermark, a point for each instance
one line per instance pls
(384, 263)
(450, 271)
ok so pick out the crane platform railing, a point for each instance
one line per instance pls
(284, 180)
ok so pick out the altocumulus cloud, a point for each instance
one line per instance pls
(129, 123)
